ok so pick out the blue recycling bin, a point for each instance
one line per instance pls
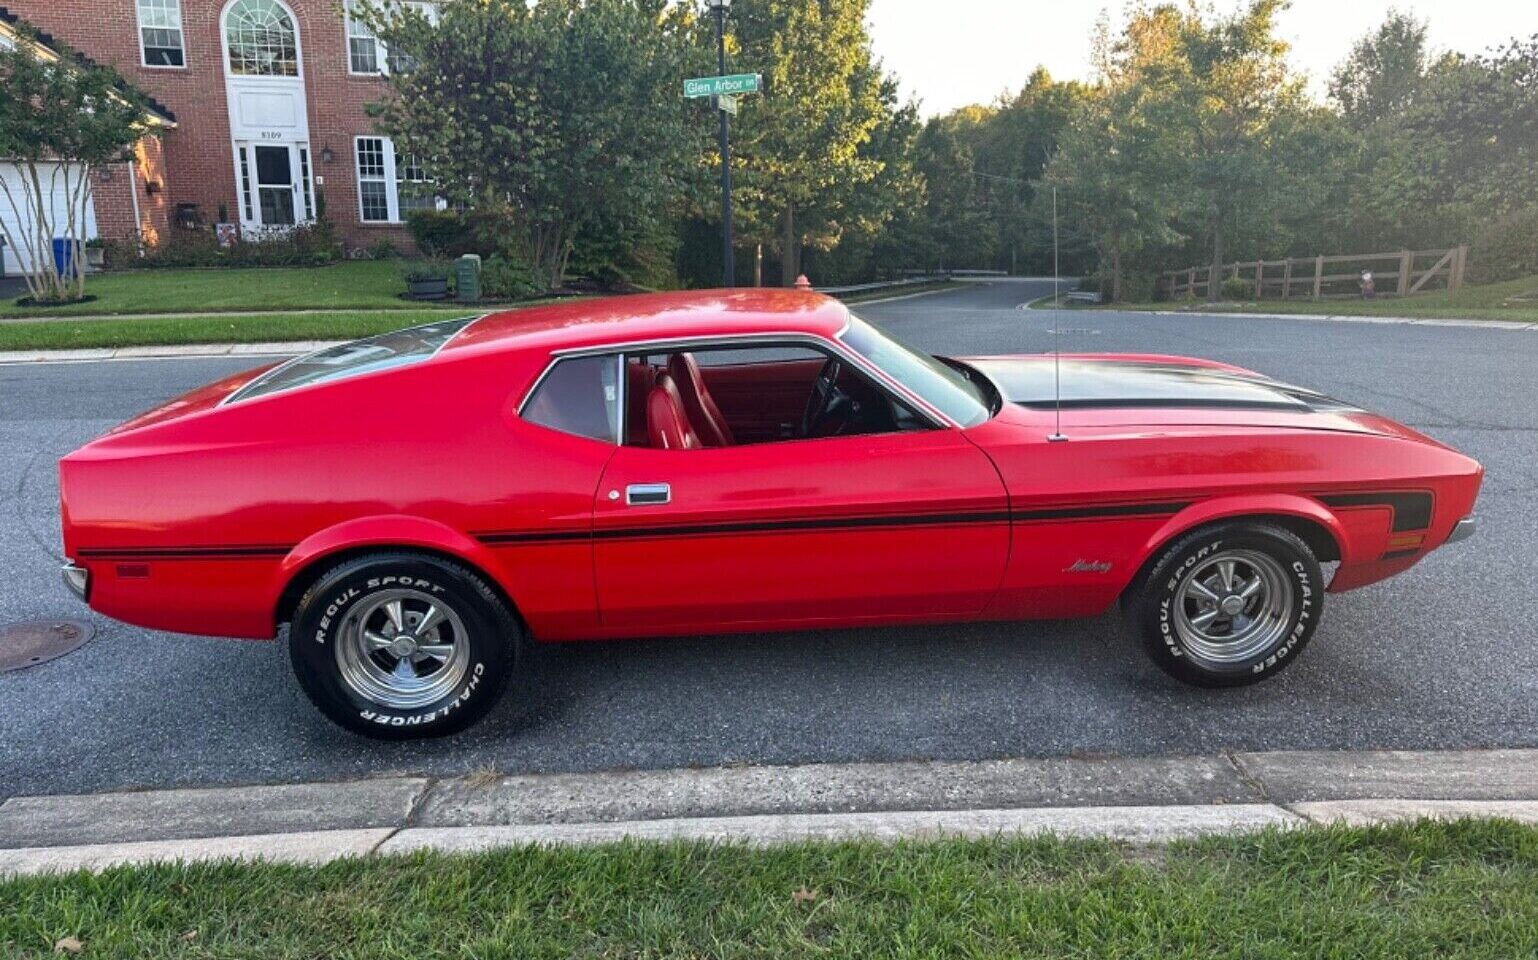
(66, 254)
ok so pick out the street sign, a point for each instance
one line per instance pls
(727, 103)
(715, 86)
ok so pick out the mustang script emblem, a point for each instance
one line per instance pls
(1089, 566)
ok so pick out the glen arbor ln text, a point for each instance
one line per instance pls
(715, 86)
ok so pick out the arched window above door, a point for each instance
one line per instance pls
(261, 38)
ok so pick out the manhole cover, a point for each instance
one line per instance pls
(32, 642)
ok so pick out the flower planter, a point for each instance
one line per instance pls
(434, 289)
(95, 258)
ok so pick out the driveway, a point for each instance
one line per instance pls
(1443, 656)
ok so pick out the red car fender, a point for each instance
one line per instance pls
(1248, 505)
(387, 531)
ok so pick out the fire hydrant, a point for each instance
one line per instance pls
(802, 283)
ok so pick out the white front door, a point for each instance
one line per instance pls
(275, 183)
(269, 126)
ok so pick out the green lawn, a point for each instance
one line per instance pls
(139, 331)
(1467, 889)
(1512, 300)
(355, 284)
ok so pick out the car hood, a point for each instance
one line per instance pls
(1159, 390)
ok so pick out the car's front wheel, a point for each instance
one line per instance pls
(401, 645)
(1229, 604)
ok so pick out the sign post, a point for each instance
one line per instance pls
(723, 91)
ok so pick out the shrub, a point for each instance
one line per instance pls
(439, 233)
(307, 245)
(1235, 288)
(507, 278)
(1506, 249)
(431, 268)
(382, 249)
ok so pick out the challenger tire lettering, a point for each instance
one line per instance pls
(1157, 616)
(417, 719)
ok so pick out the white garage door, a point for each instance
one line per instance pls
(19, 224)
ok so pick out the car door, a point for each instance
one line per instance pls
(839, 530)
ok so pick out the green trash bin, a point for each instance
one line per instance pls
(467, 277)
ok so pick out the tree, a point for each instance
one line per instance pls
(1110, 175)
(58, 107)
(564, 117)
(801, 157)
(1221, 93)
(1384, 73)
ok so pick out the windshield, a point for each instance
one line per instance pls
(387, 350)
(942, 387)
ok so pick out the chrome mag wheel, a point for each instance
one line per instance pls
(402, 649)
(1233, 606)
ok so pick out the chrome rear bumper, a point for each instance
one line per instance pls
(1463, 530)
(78, 579)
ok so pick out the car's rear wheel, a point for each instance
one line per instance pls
(1229, 604)
(401, 645)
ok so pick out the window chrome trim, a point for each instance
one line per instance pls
(937, 418)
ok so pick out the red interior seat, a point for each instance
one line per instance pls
(698, 404)
(667, 427)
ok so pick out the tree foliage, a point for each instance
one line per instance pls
(563, 117)
(56, 107)
(803, 159)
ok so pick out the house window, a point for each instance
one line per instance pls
(368, 54)
(373, 183)
(262, 40)
(160, 33)
(390, 184)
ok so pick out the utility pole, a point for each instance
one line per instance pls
(728, 268)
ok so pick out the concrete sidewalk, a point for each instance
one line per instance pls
(1151, 799)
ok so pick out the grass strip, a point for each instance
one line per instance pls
(1463, 889)
(143, 331)
(360, 284)
(893, 292)
(1515, 300)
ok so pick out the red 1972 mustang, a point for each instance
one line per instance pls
(418, 506)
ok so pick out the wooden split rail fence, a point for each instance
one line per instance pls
(1301, 278)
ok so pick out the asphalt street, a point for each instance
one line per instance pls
(1443, 656)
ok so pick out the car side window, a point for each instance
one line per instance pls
(580, 396)
(735, 395)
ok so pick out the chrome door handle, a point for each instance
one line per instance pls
(648, 494)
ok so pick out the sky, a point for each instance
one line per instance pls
(956, 52)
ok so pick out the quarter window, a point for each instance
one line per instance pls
(578, 396)
(160, 33)
(390, 184)
(262, 39)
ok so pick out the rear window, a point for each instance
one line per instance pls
(383, 352)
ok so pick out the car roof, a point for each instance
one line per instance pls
(610, 321)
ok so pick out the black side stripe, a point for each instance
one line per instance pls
(1412, 509)
(501, 537)
(183, 553)
(1400, 554)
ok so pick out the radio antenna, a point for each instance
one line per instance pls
(1057, 333)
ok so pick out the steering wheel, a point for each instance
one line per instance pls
(828, 404)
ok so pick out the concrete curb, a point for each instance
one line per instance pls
(1144, 799)
(180, 351)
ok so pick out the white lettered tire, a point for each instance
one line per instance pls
(1229, 604)
(403, 645)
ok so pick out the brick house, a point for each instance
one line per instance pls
(265, 102)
